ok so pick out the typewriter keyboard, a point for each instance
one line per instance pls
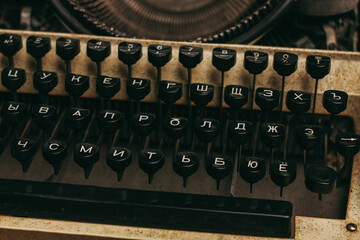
(215, 138)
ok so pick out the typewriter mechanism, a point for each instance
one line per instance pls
(189, 135)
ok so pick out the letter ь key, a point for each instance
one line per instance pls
(185, 164)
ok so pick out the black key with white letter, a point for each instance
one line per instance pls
(107, 87)
(190, 56)
(10, 44)
(185, 164)
(256, 62)
(143, 123)
(151, 161)
(159, 55)
(109, 120)
(138, 88)
(206, 129)
(54, 152)
(77, 118)
(13, 112)
(175, 127)
(44, 115)
(252, 170)
(76, 84)
(334, 101)
(23, 150)
(285, 63)
(67, 48)
(129, 52)
(267, 99)
(298, 102)
(86, 155)
(118, 159)
(283, 173)
(308, 136)
(13, 78)
(318, 66)
(223, 59)
(272, 134)
(170, 91)
(347, 144)
(239, 131)
(218, 167)
(236, 96)
(98, 50)
(201, 94)
(45, 81)
(38, 47)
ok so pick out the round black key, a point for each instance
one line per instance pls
(143, 123)
(206, 129)
(67, 48)
(256, 62)
(38, 47)
(272, 134)
(43, 115)
(159, 55)
(320, 179)
(186, 163)
(10, 44)
(77, 118)
(86, 155)
(137, 88)
(267, 99)
(223, 59)
(298, 102)
(218, 167)
(175, 127)
(44, 81)
(239, 131)
(118, 159)
(23, 150)
(308, 136)
(98, 50)
(76, 84)
(54, 152)
(13, 78)
(285, 63)
(236, 96)
(107, 87)
(190, 56)
(252, 169)
(129, 52)
(169, 91)
(283, 173)
(13, 112)
(318, 66)
(151, 161)
(109, 120)
(334, 101)
(347, 144)
(201, 94)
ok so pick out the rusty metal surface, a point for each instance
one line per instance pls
(343, 76)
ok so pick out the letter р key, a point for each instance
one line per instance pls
(86, 155)
(54, 152)
(256, 62)
(190, 56)
(13, 78)
(159, 55)
(223, 59)
(334, 101)
(169, 91)
(143, 123)
(10, 44)
(38, 47)
(185, 164)
(129, 53)
(67, 48)
(298, 102)
(285, 63)
(118, 159)
(201, 94)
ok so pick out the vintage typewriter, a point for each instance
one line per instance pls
(113, 137)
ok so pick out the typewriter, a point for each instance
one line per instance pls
(106, 137)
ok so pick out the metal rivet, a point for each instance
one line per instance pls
(352, 227)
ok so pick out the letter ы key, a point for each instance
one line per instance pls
(308, 136)
(201, 94)
(13, 78)
(151, 161)
(236, 96)
(159, 55)
(298, 102)
(129, 53)
(256, 62)
(175, 127)
(13, 112)
(109, 120)
(285, 63)
(23, 150)
(54, 152)
(185, 164)
(283, 173)
(334, 101)
(169, 91)
(137, 88)
(223, 59)
(206, 129)
(38, 47)
(318, 66)
(98, 50)
(118, 159)
(107, 87)
(272, 134)
(77, 118)
(45, 81)
(252, 170)
(67, 48)
(267, 99)
(190, 56)
(143, 123)
(76, 84)
(218, 167)
(86, 155)
(10, 44)
(44, 115)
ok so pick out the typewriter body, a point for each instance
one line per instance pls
(129, 138)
